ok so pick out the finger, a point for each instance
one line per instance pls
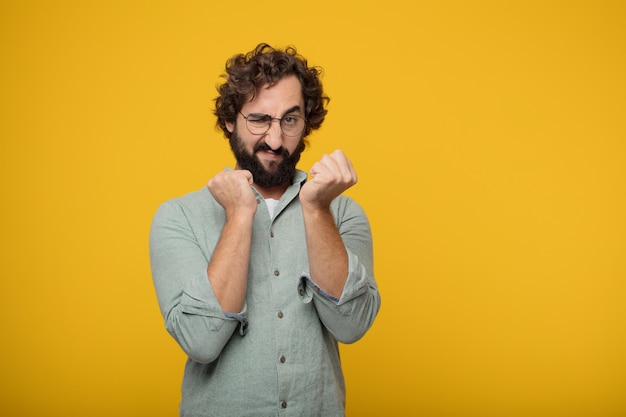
(329, 162)
(351, 170)
(344, 166)
(315, 169)
(248, 175)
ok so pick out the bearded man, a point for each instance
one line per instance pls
(261, 274)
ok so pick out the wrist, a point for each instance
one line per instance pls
(315, 207)
(241, 215)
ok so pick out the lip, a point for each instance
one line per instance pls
(270, 155)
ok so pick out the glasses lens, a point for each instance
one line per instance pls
(292, 125)
(258, 123)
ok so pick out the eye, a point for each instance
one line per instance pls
(290, 120)
(258, 118)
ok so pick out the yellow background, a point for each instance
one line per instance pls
(489, 138)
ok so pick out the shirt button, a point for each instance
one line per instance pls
(276, 273)
(271, 233)
(283, 404)
(282, 359)
(301, 292)
(280, 314)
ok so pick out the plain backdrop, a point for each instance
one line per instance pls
(490, 142)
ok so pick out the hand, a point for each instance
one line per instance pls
(330, 177)
(232, 189)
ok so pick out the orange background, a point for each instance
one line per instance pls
(490, 142)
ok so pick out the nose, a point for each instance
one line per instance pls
(274, 136)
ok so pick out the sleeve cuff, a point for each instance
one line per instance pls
(242, 319)
(307, 284)
(355, 284)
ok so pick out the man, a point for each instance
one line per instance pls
(260, 274)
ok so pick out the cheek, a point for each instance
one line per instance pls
(244, 141)
(294, 145)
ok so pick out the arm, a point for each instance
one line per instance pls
(182, 242)
(179, 261)
(328, 257)
(228, 270)
(339, 243)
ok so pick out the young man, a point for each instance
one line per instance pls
(260, 274)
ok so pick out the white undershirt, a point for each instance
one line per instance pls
(271, 206)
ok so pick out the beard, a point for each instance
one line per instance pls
(279, 173)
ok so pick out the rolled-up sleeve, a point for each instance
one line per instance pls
(191, 311)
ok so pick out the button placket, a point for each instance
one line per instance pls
(278, 283)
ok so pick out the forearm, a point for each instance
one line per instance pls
(228, 268)
(328, 258)
(179, 256)
(349, 315)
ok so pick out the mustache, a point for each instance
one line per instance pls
(265, 147)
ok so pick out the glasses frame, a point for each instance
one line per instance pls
(270, 119)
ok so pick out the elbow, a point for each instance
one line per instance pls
(201, 354)
(198, 349)
(350, 338)
(199, 342)
(354, 325)
(347, 329)
(351, 333)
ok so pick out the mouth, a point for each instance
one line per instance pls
(268, 152)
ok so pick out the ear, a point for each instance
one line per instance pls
(230, 126)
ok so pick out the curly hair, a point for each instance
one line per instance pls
(246, 73)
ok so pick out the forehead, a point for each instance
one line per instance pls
(276, 98)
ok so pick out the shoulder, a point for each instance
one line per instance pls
(344, 206)
(192, 205)
(345, 202)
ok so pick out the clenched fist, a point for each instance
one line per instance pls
(330, 177)
(232, 189)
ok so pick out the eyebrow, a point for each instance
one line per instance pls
(292, 110)
(288, 111)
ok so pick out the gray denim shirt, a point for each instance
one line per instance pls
(279, 356)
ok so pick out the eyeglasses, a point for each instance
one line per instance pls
(259, 124)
